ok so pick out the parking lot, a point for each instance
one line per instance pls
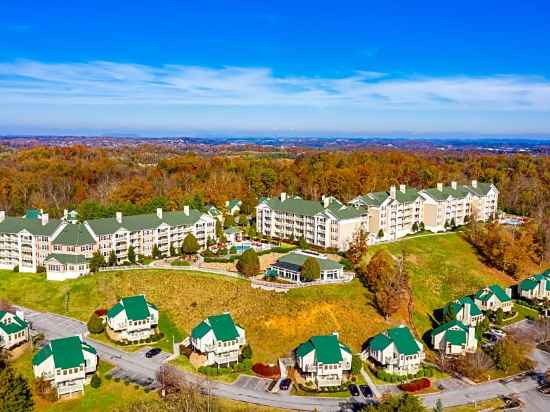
(54, 326)
(160, 358)
(134, 378)
(252, 383)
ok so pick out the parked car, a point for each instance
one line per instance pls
(285, 384)
(152, 352)
(366, 391)
(353, 389)
(271, 385)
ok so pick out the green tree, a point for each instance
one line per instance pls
(156, 253)
(172, 250)
(96, 261)
(415, 227)
(356, 364)
(15, 393)
(252, 232)
(397, 403)
(302, 243)
(131, 254)
(482, 327)
(190, 244)
(243, 220)
(422, 226)
(246, 352)
(248, 263)
(112, 258)
(381, 233)
(358, 246)
(453, 223)
(228, 221)
(95, 324)
(95, 381)
(219, 229)
(499, 316)
(311, 269)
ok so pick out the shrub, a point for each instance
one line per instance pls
(96, 381)
(16, 268)
(126, 382)
(247, 352)
(40, 269)
(95, 324)
(108, 377)
(116, 379)
(415, 386)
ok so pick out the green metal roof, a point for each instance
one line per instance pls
(481, 190)
(67, 259)
(33, 226)
(200, 330)
(74, 235)
(328, 349)
(295, 261)
(299, 206)
(445, 326)
(66, 352)
(379, 342)
(403, 339)
(486, 293)
(233, 202)
(115, 310)
(459, 193)
(136, 308)
(33, 214)
(458, 304)
(223, 326)
(528, 284)
(16, 325)
(455, 337)
(232, 230)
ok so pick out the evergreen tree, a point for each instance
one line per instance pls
(112, 258)
(95, 381)
(15, 393)
(302, 243)
(415, 227)
(248, 264)
(453, 223)
(156, 252)
(96, 261)
(219, 229)
(246, 352)
(422, 226)
(95, 324)
(311, 269)
(252, 232)
(380, 233)
(229, 221)
(356, 364)
(131, 254)
(172, 250)
(243, 220)
(190, 245)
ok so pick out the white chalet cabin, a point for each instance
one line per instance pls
(324, 360)
(14, 331)
(219, 338)
(67, 363)
(132, 319)
(454, 338)
(396, 350)
(535, 287)
(493, 298)
(464, 310)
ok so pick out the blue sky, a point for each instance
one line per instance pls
(275, 67)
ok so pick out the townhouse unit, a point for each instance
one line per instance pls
(535, 287)
(233, 206)
(454, 338)
(66, 363)
(396, 350)
(289, 267)
(464, 310)
(233, 235)
(324, 360)
(399, 212)
(219, 339)
(133, 318)
(14, 330)
(493, 298)
(35, 240)
(214, 212)
(327, 223)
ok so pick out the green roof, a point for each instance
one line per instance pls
(233, 202)
(33, 226)
(445, 326)
(213, 210)
(136, 308)
(455, 337)
(145, 221)
(67, 259)
(75, 235)
(33, 214)
(459, 193)
(223, 326)
(16, 325)
(299, 206)
(481, 190)
(402, 338)
(458, 304)
(232, 230)
(486, 293)
(528, 284)
(66, 352)
(328, 349)
(295, 261)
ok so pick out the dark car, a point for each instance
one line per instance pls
(366, 391)
(353, 389)
(285, 384)
(152, 352)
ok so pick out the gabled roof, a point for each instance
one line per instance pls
(232, 230)
(481, 190)
(458, 304)
(401, 337)
(74, 235)
(66, 352)
(33, 226)
(33, 213)
(490, 291)
(445, 326)
(213, 210)
(136, 308)
(299, 206)
(532, 282)
(67, 259)
(223, 326)
(232, 203)
(328, 349)
(294, 261)
(460, 192)
(16, 324)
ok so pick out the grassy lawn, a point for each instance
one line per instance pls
(299, 392)
(183, 363)
(108, 396)
(442, 268)
(522, 313)
(488, 405)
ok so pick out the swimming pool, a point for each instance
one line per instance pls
(257, 246)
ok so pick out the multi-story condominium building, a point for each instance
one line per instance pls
(535, 287)
(289, 266)
(398, 212)
(35, 240)
(324, 360)
(454, 338)
(464, 310)
(493, 298)
(132, 319)
(396, 350)
(67, 363)
(219, 339)
(14, 331)
(328, 223)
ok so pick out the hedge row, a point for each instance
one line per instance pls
(243, 366)
(153, 338)
(393, 378)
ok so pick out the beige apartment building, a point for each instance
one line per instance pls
(327, 223)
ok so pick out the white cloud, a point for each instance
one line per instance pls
(108, 83)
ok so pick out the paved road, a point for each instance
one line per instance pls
(136, 365)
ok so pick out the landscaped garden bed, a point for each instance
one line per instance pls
(416, 385)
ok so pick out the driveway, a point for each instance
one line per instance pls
(252, 382)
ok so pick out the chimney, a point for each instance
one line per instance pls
(159, 212)
(186, 210)
(474, 183)
(466, 316)
(440, 187)
(326, 201)
(392, 192)
(471, 337)
(453, 185)
(65, 213)
(20, 314)
(2, 215)
(402, 188)
(44, 217)
(283, 196)
(336, 334)
(118, 217)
